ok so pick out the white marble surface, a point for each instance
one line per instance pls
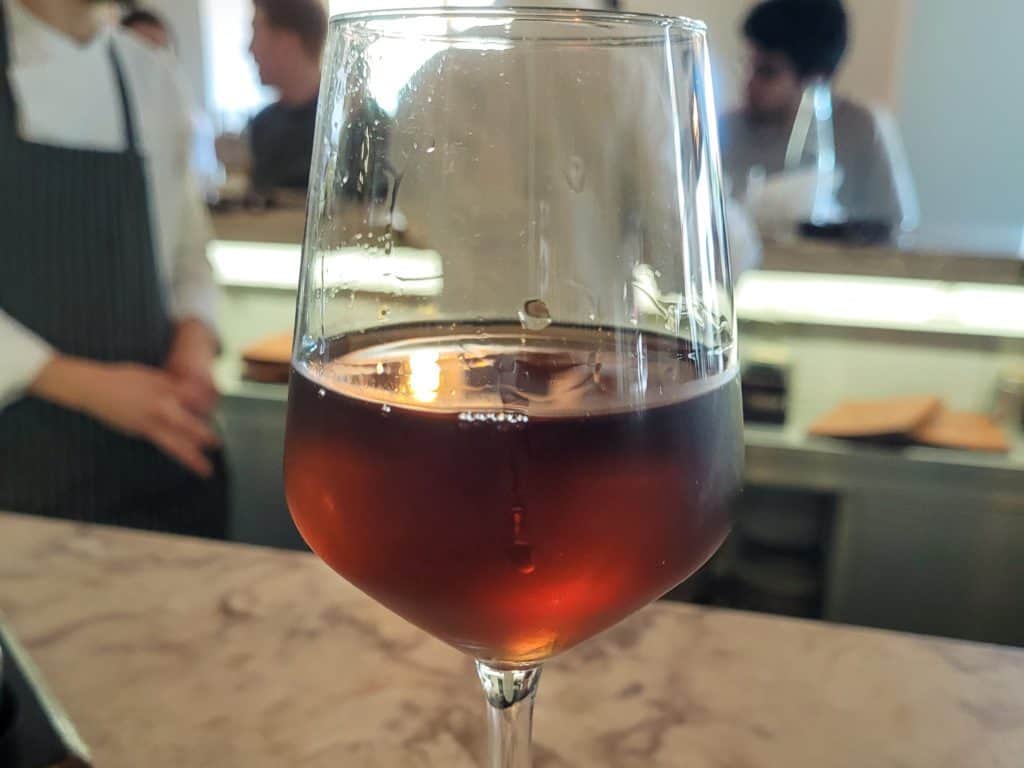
(175, 652)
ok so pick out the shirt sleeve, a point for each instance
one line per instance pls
(25, 354)
(194, 292)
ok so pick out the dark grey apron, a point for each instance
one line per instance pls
(78, 267)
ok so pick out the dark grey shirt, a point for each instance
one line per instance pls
(874, 183)
(281, 142)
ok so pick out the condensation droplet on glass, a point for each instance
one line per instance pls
(380, 368)
(321, 392)
(535, 315)
(597, 373)
(385, 409)
(382, 313)
(358, 236)
(576, 173)
(430, 149)
(592, 317)
(657, 273)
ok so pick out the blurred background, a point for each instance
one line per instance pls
(873, 169)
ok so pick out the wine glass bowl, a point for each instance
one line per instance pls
(514, 413)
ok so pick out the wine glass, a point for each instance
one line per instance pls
(514, 413)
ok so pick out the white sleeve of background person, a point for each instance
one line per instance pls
(25, 353)
(194, 292)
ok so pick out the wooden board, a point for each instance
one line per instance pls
(268, 360)
(966, 431)
(889, 417)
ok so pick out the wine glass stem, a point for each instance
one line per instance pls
(510, 694)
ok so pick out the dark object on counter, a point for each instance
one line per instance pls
(34, 731)
(765, 393)
(850, 232)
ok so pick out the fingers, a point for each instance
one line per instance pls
(198, 395)
(183, 436)
(184, 452)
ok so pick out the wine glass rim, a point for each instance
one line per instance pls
(623, 19)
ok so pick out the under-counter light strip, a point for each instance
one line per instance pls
(813, 299)
(881, 302)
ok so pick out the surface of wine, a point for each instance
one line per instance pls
(512, 492)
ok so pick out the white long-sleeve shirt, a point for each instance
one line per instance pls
(67, 95)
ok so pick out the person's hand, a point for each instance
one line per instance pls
(190, 362)
(135, 400)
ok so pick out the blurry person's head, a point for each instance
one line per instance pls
(792, 42)
(287, 42)
(148, 26)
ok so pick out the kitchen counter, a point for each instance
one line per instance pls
(176, 652)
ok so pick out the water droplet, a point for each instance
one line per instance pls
(535, 315)
(382, 313)
(431, 148)
(358, 236)
(576, 173)
(344, 179)
(657, 273)
(597, 373)
(380, 369)
(592, 317)
(385, 409)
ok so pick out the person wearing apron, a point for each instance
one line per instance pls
(110, 427)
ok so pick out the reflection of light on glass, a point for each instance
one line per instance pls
(406, 272)
(424, 375)
(395, 58)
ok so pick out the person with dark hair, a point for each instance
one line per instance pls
(148, 26)
(793, 45)
(287, 42)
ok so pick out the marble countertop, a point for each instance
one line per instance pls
(175, 652)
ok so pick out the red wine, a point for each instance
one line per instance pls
(512, 492)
